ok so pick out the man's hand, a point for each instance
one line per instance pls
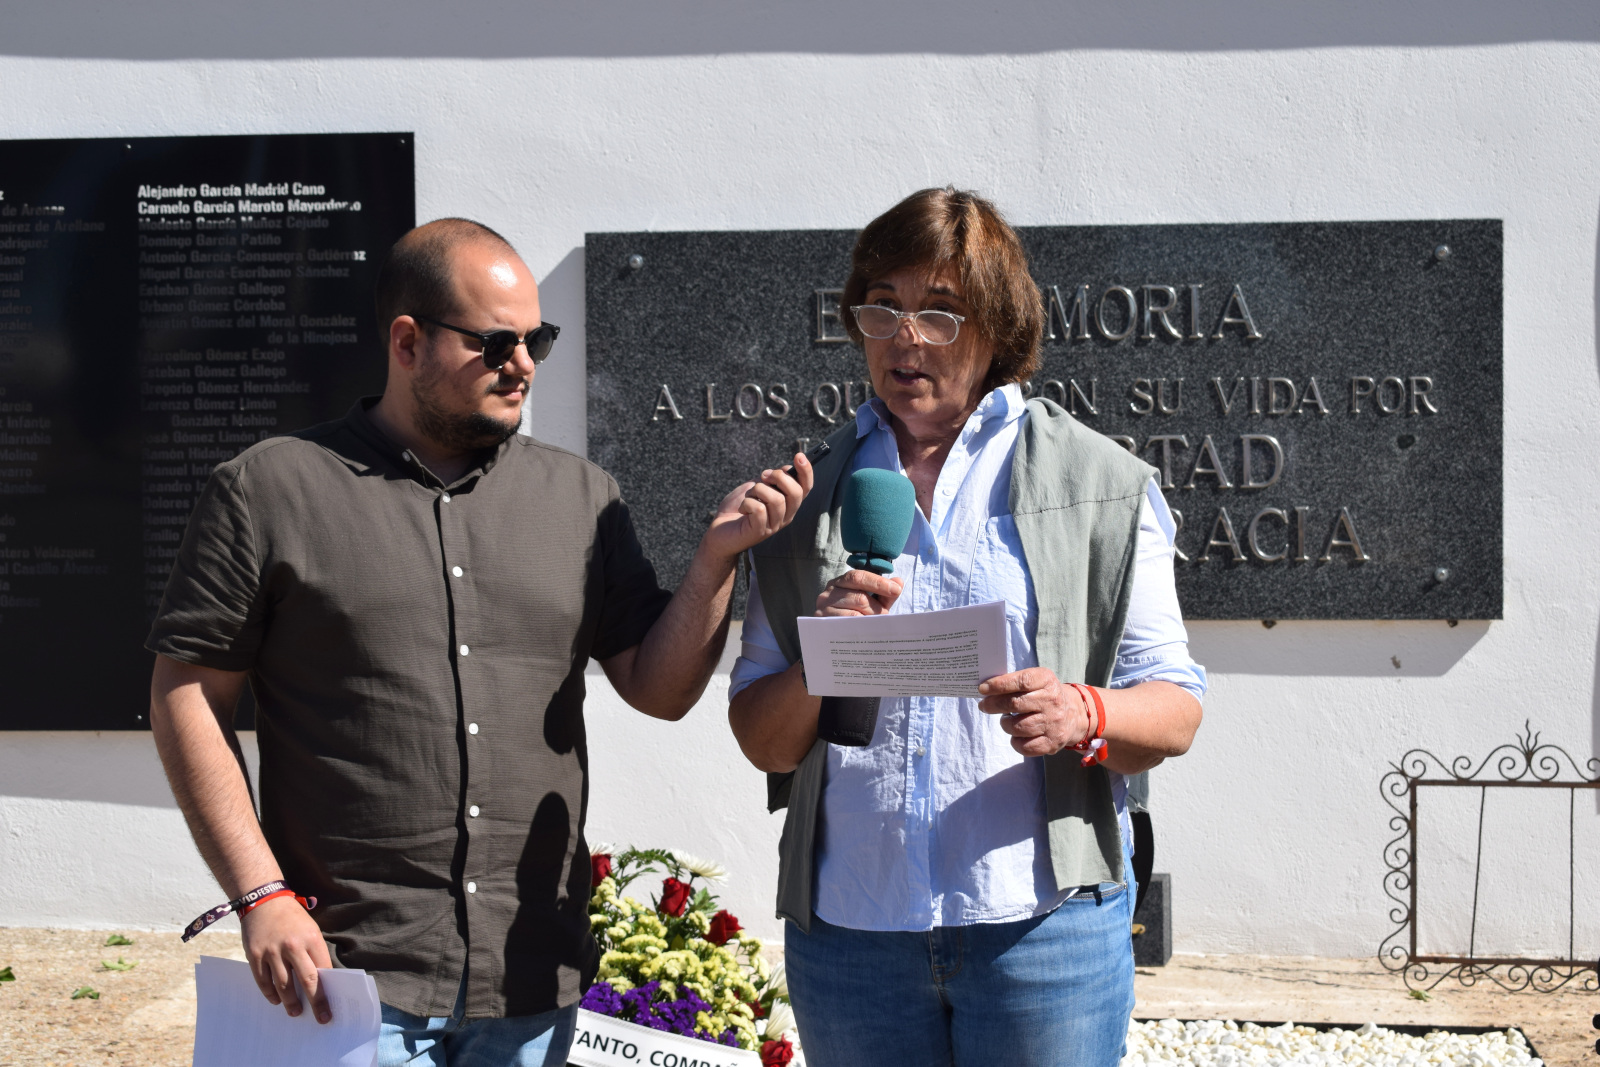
(1042, 715)
(859, 593)
(280, 940)
(756, 510)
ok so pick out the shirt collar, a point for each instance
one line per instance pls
(1005, 403)
(359, 419)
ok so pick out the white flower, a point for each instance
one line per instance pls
(603, 848)
(711, 872)
(781, 1019)
(778, 981)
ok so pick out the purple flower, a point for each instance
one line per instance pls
(636, 1002)
(603, 999)
(646, 1006)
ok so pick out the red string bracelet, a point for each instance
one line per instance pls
(1094, 746)
(248, 908)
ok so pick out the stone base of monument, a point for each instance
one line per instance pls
(1153, 947)
(602, 1041)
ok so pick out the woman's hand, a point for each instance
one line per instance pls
(859, 593)
(1145, 723)
(1042, 715)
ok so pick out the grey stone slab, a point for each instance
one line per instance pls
(1404, 344)
(1153, 947)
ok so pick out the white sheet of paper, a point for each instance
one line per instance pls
(236, 1027)
(920, 654)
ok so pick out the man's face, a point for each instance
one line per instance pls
(461, 404)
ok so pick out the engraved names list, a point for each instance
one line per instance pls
(164, 304)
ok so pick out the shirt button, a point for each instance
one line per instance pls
(472, 887)
(406, 456)
(456, 571)
(473, 811)
(472, 727)
(921, 751)
(445, 498)
(465, 650)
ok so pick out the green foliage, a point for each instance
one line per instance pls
(120, 965)
(6, 975)
(117, 939)
(84, 992)
(631, 863)
(1417, 994)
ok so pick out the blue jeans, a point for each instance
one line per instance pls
(520, 1041)
(1053, 990)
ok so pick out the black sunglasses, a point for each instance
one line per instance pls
(499, 344)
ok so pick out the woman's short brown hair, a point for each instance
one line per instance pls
(949, 227)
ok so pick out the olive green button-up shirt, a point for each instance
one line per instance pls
(417, 654)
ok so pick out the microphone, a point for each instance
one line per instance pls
(875, 520)
(877, 512)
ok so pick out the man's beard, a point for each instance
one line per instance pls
(457, 432)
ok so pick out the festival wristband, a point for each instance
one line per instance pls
(246, 904)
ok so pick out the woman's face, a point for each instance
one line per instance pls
(927, 387)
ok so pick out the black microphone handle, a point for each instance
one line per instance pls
(848, 721)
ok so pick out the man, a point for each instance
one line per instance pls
(413, 593)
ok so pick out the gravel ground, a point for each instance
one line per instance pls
(1307, 989)
(145, 1016)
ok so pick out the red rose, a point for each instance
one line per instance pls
(600, 867)
(674, 897)
(776, 1053)
(723, 927)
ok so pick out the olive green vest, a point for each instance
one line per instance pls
(1075, 496)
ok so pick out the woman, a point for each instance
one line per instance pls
(958, 889)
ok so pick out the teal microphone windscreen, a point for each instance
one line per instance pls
(877, 511)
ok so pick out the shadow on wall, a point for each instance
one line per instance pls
(1333, 649)
(549, 415)
(500, 29)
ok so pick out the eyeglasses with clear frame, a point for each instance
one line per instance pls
(934, 327)
(498, 345)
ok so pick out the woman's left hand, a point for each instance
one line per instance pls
(1042, 715)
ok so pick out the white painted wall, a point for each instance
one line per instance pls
(635, 115)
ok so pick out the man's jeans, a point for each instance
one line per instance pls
(1057, 989)
(522, 1041)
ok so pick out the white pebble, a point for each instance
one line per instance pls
(1225, 1043)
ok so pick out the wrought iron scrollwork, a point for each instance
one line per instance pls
(1527, 763)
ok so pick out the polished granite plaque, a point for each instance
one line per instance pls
(1321, 401)
(164, 304)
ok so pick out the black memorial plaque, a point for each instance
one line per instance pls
(164, 304)
(1322, 400)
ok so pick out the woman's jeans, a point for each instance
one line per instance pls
(1057, 989)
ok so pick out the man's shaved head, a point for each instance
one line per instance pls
(416, 278)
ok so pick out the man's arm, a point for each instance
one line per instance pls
(665, 673)
(191, 713)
